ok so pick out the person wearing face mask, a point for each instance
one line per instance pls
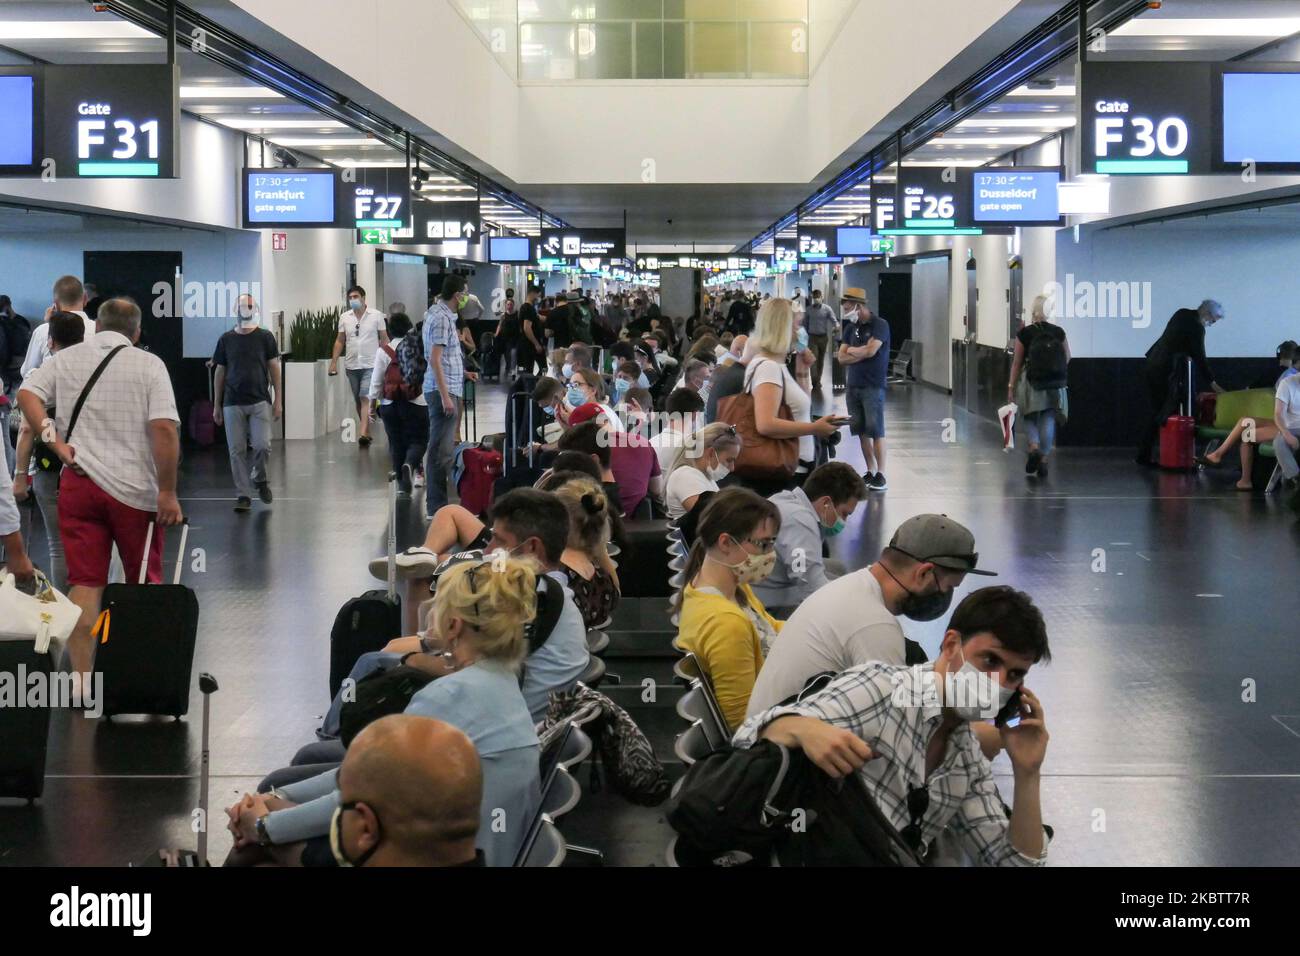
(248, 385)
(722, 621)
(908, 733)
(704, 459)
(1166, 368)
(854, 619)
(361, 331)
(809, 515)
(409, 795)
(475, 629)
(586, 387)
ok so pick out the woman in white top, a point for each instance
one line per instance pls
(406, 420)
(772, 384)
(701, 462)
(585, 386)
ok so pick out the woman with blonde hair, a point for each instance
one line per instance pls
(473, 640)
(772, 385)
(1042, 395)
(593, 578)
(705, 458)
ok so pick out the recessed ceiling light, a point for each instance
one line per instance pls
(1014, 122)
(323, 141)
(258, 122)
(73, 30)
(229, 93)
(1206, 27)
(1054, 91)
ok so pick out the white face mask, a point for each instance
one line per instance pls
(973, 699)
(718, 471)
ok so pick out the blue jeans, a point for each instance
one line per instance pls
(866, 405)
(442, 448)
(1041, 429)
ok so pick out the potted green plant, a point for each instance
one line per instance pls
(309, 410)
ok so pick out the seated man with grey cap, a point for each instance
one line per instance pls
(854, 619)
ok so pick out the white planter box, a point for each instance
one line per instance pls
(315, 402)
(304, 399)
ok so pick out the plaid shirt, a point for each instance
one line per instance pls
(963, 795)
(440, 329)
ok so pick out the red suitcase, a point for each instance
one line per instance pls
(1177, 443)
(482, 469)
(1178, 434)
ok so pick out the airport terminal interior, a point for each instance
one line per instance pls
(855, 340)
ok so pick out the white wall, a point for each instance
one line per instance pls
(206, 194)
(696, 132)
(311, 274)
(406, 282)
(32, 261)
(677, 292)
(931, 291)
(1251, 270)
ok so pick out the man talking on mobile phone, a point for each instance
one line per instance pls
(907, 732)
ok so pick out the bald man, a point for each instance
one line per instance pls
(409, 793)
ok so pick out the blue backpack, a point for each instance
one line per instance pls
(411, 359)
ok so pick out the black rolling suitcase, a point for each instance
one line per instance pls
(837, 373)
(519, 467)
(24, 730)
(368, 622)
(145, 642)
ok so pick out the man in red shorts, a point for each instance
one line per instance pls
(119, 456)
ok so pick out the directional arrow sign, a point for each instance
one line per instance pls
(374, 237)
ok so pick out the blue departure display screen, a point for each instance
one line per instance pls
(289, 197)
(17, 119)
(1016, 197)
(1259, 111)
(509, 249)
(855, 241)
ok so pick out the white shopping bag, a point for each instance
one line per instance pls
(40, 618)
(1007, 416)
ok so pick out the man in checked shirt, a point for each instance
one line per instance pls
(906, 732)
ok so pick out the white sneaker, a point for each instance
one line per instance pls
(411, 563)
(418, 480)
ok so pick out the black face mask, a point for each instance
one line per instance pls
(923, 607)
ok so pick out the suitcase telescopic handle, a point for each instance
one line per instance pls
(180, 554)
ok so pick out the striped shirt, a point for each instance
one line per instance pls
(440, 329)
(112, 440)
(963, 796)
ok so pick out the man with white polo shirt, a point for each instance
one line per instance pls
(69, 296)
(361, 331)
(116, 434)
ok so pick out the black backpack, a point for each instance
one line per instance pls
(1047, 359)
(389, 691)
(15, 335)
(768, 804)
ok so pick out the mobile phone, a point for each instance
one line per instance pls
(1009, 716)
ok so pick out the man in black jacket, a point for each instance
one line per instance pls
(1183, 338)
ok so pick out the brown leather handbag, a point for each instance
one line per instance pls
(761, 457)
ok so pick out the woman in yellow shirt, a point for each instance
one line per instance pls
(722, 623)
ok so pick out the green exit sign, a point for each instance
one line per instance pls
(374, 237)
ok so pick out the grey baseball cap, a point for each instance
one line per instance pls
(939, 540)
